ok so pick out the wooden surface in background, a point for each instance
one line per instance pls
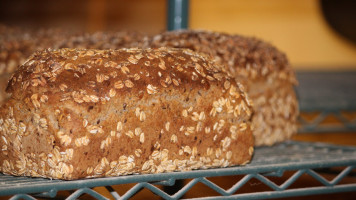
(296, 27)
(147, 16)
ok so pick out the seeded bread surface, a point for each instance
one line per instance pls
(18, 43)
(263, 70)
(93, 113)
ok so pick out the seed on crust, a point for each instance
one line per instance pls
(138, 131)
(187, 149)
(180, 152)
(151, 89)
(217, 152)
(227, 84)
(119, 126)
(167, 126)
(142, 116)
(194, 151)
(129, 134)
(44, 98)
(101, 78)
(207, 129)
(209, 151)
(125, 70)
(112, 133)
(129, 84)
(202, 116)
(34, 100)
(175, 82)
(243, 126)
(142, 138)
(112, 92)
(94, 98)
(250, 151)
(162, 64)
(132, 59)
(226, 143)
(110, 64)
(185, 113)
(136, 77)
(69, 66)
(195, 116)
(118, 84)
(174, 138)
(138, 152)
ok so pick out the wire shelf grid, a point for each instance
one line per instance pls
(300, 157)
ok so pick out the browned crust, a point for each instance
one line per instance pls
(92, 113)
(18, 43)
(247, 57)
(263, 70)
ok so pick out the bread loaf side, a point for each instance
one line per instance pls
(263, 70)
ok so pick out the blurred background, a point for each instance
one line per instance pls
(304, 29)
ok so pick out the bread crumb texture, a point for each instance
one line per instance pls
(95, 113)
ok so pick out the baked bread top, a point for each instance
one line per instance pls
(86, 76)
(241, 56)
(18, 43)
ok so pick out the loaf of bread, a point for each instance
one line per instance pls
(4, 78)
(18, 43)
(263, 70)
(94, 113)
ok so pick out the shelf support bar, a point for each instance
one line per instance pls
(177, 14)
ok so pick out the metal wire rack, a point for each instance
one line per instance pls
(299, 157)
(327, 94)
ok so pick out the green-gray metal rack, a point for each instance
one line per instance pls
(327, 93)
(298, 157)
(177, 14)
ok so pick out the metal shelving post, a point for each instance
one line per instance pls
(177, 14)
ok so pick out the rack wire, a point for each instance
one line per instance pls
(298, 157)
(327, 94)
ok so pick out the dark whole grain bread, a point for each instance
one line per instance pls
(263, 70)
(18, 43)
(93, 113)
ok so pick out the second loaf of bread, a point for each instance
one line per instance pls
(89, 113)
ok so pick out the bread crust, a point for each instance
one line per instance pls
(92, 113)
(263, 70)
(18, 43)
